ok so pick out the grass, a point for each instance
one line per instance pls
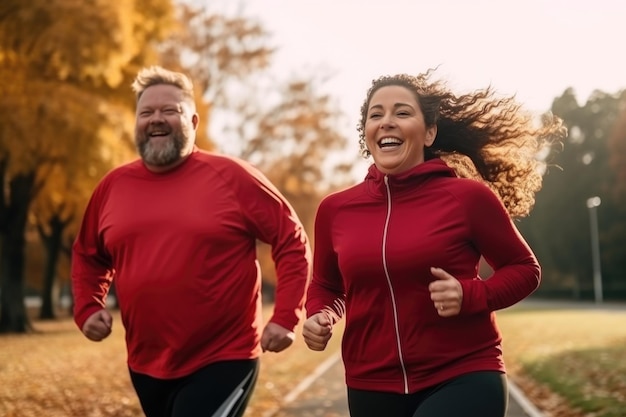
(598, 388)
(571, 362)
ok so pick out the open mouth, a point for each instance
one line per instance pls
(158, 133)
(389, 142)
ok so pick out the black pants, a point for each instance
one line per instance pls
(477, 394)
(221, 389)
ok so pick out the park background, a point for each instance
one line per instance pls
(280, 83)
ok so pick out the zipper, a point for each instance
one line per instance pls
(393, 297)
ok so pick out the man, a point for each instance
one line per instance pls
(177, 230)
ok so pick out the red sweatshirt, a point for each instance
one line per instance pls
(181, 246)
(374, 246)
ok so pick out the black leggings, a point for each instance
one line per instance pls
(221, 389)
(475, 394)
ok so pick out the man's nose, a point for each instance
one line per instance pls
(156, 117)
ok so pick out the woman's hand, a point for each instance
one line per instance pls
(446, 293)
(317, 331)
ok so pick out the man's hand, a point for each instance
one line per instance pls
(317, 331)
(98, 326)
(276, 338)
(446, 293)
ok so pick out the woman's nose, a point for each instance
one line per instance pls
(386, 121)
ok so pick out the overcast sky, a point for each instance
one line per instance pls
(532, 48)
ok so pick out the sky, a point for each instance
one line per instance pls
(534, 49)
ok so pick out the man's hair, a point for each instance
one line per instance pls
(156, 75)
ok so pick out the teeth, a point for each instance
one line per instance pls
(387, 141)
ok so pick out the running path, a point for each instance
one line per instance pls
(323, 394)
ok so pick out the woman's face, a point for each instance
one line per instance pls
(395, 131)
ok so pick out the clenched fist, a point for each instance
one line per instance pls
(98, 326)
(317, 331)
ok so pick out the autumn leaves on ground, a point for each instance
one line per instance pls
(56, 372)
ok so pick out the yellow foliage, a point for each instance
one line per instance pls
(66, 107)
(77, 41)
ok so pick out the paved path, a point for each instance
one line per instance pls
(324, 395)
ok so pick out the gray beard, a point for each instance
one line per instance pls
(161, 155)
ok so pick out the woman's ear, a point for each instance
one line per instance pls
(431, 134)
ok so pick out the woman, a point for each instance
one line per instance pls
(398, 254)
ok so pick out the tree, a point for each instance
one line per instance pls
(55, 214)
(617, 150)
(558, 228)
(217, 52)
(63, 85)
(76, 93)
(287, 129)
(295, 138)
(292, 134)
(614, 239)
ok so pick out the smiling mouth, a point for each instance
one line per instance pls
(389, 142)
(158, 134)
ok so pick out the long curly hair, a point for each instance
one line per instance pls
(481, 136)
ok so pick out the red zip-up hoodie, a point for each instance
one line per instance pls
(181, 246)
(374, 246)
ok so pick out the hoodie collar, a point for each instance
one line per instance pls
(410, 178)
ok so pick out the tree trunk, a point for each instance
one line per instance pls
(13, 315)
(52, 243)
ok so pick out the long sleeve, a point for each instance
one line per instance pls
(516, 270)
(276, 223)
(326, 291)
(92, 272)
(375, 245)
(181, 247)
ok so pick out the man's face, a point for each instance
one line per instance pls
(165, 126)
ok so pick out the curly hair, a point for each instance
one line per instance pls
(481, 136)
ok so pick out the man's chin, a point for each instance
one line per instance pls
(160, 162)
